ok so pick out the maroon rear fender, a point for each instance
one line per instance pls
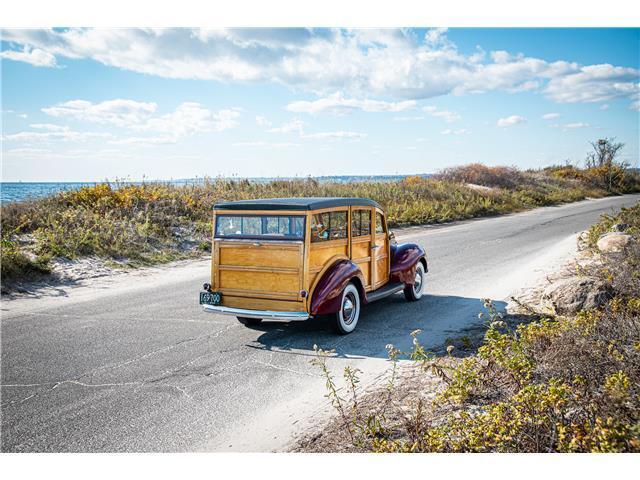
(404, 259)
(327, 295)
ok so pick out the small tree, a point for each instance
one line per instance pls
(603, 161)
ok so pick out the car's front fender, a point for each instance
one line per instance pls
(404, 259)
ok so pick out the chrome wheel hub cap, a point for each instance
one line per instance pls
(417, 283)
(348, 308)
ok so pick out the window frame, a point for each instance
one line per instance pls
(316, 240)
(360, 210)
(263, 217)
(383, 223)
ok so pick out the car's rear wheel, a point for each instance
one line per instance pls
(346, 318)
(249, 321)
(414, 292)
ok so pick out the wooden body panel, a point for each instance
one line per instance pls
(253, 303)
(248, 270)
(361, 256)
(381, 251)
(381, 261)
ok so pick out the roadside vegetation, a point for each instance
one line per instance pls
(134, 225)
(534, 383)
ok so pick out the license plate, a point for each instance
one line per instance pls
(210, 298)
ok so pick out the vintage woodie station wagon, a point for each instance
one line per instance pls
(297, 258)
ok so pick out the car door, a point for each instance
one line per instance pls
(380, 250)
(362, 242)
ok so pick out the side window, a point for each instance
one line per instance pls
(379, 223)
(328, 226)
(360, 223)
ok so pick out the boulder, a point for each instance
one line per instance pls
(570, 295)
(613, 242)
(583, 240)
(619, 227)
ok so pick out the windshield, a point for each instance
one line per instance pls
(280, 227)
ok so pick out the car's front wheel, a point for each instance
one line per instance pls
(249, 321)
(346, 318)
(414, 292)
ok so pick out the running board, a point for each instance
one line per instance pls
(385, 291)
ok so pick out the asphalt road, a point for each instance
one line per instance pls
(144, 369)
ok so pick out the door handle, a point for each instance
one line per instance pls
(375, 247)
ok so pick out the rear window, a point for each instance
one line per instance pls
(284, 227)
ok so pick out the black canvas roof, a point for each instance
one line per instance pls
(302, 203)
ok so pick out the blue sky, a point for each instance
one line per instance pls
(82, 105)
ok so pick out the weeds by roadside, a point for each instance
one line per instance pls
(549, 384)
(154, 223)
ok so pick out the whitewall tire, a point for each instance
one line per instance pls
(347, 317)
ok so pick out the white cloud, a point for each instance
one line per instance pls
(339, 105)
(294, 126)
(396, 64)
(335, 135)
(604, 106)
(594, 83)
(159, 140)
(446, 115)
(119, 112)
(267, 145)
(33, 56)
(571, 126)
(262, 121)
(27, 151)
(512, 120)
(550, 116)
(408, 119)
(190, 118)
(297, 126)
(50, 127)
(60, 135)
(460, 131)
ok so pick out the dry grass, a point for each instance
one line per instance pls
(152, 223)
(535, 384)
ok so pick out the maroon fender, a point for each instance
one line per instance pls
(327, 295)
(404, 258)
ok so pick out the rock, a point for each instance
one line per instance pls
(619, 227)
(613, 242)
(570, 295)
(583, 240)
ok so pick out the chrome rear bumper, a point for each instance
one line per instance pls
(263, 314)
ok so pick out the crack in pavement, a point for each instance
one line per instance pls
(210, 335)
(92, 373)
(277, 367)
(91, 385)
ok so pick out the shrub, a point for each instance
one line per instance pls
(148, 223)
(555, 384)
(478, 174)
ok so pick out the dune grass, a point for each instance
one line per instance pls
(155, 222)
(536, 383)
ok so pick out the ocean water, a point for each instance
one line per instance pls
(17, 191)
(13, 192)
